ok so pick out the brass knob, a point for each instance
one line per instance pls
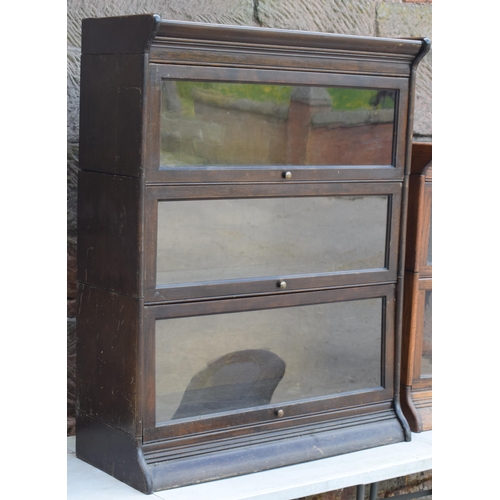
(282, 284)
(279, 413)
(287, 175)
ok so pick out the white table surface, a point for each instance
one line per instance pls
(363, 467)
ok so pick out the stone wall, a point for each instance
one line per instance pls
(385, 18)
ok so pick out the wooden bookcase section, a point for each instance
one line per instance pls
(241, 218)
(416, 379)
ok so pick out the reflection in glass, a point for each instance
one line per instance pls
(202, 240)
(212, 123)
(426, 368)
(223, 362)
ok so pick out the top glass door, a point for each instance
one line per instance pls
(208, 123)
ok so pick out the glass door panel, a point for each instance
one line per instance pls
(204, 240)
(224, 362)
(236, 124)
(429, 243)
(426, 366)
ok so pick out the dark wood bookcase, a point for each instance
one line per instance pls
(241, 235)
(416, 368)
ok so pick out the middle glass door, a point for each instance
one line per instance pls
(209, 241)
(204, 240)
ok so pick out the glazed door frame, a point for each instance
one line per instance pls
(154, 293)
(317, 410)
(272, 173)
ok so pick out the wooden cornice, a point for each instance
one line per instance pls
(188, 43)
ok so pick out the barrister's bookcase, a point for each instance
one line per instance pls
(242, 207)
(416, 364)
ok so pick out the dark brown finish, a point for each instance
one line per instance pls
(111, 141)
(110, 211)
(179, 42)
(307, 443)
(108, 360)
(112, 35)
(124, 62)
(416, 388)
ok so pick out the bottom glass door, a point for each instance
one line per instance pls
(225, 362)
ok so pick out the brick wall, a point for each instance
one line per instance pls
(405, 485)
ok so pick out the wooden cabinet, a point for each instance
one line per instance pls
(416, 380)
(242, 201)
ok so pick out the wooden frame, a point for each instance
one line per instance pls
(124, 61)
